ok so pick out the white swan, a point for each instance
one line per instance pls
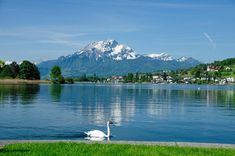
(98, 133)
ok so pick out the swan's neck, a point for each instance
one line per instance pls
(108, 130)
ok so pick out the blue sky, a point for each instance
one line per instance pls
(46, 29)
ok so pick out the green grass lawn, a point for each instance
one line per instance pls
(70, 149)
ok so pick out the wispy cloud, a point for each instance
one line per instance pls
(37, 35)
(154, 3)
(68, 39)
(67, 36)
(208, 37)
(3, 34)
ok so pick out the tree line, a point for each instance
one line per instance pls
(25, 70)
(138, 77)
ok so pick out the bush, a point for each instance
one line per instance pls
(61, 80)
(69, 80)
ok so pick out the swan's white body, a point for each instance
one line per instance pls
(98, 133)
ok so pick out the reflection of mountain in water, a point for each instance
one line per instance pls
(13, 93)
(98, 103)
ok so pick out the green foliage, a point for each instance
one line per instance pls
(15, 68)
(226, 62)
(55, 72)
(29, 71)
(136, 77)
(26, 70)
(61, 79)
(219, 71)
(69, 80)
(85, 78)
(129, 78)
(56, 76)
(2, 64)
(6, 72)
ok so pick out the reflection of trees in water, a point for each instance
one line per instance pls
(100, 103)
(223, 98)
(28, 93)
(55, 90)
(12, 93)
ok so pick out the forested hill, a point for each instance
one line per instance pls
(226, 62)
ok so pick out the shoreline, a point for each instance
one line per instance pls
(21, 81)
(210, 84)
(148, 143)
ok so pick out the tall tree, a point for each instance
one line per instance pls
(56, 76)
(29, 71)
(15, 68)
(6, 72)
(55, 72)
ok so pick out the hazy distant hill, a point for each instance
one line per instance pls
(111, 58)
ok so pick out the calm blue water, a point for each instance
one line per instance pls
(143, 112)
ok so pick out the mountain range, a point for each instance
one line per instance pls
(108, 57)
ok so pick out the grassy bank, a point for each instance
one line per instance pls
(20, 81)
(70, 149)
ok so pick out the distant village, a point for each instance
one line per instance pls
(210, 76)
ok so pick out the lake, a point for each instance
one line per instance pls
(142, 112)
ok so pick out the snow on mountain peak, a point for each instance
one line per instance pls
(104, 46)
(161, 56)
(182, 59)
(109, 48)
(167, 57)
(113, 50)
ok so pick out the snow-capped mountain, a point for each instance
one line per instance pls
(106, 49)
(168, 57)
(109, 58)
(161, 56)
(111, 49)
(181, 59)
